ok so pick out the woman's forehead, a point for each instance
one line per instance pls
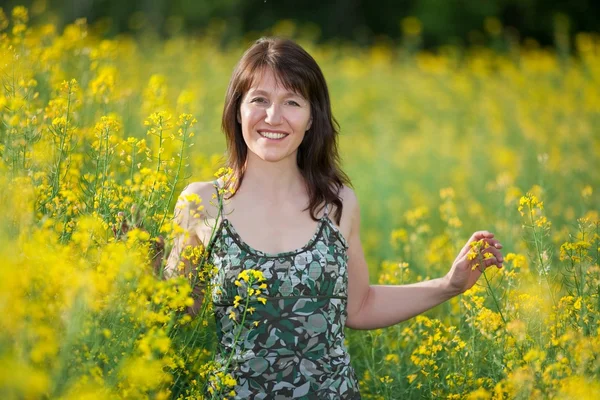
(266, 79)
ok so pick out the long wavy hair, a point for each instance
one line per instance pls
(317, 157)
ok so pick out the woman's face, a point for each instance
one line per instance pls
(274, 120)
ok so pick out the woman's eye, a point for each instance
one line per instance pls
(293, 103)
(258, 100)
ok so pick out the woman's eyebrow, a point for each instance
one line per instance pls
(265, 93)
(257, 91)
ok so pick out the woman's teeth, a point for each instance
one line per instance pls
(272, 135)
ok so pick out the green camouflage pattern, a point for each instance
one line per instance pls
(297, 350)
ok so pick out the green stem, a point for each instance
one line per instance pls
(105, 169)
(538, 249)
(132, 162)
(160, 140)
(175, 180)
(491, 290)
(494, 297)
(238, 333)
(63, 137)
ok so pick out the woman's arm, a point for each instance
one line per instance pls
(379, 306)
(190, 218)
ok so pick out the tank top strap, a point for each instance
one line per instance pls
(326, 210)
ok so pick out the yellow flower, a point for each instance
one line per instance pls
(236, 301)
(244, 275)
(471, 255)
(392, 358)
(229, 381)
(532, 202)
(20, 15)
(447, 193)
(479, 394)
(411, 26)
(586, 191)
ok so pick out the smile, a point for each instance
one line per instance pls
(273, 135)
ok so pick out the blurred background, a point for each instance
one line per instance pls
(441, 22)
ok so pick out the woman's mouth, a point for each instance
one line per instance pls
(272, 135)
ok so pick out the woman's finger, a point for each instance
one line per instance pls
(482, 235)
(494, 242)
(475, 237)
(492, 261)
(482, 265)
(495, 252)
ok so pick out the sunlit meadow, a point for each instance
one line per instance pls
(437, 144)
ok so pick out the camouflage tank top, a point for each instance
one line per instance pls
(292, 346)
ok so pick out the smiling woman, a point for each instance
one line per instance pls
(274, 75)
(272, 217)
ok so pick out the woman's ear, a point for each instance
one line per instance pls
(309, 124)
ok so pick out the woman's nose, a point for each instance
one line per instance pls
(273, 115)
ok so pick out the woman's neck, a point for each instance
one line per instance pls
(273, 180)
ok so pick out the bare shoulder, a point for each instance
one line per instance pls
(350, 209)
(199, 188)
(348, 197)
(196, 202)
(196, 211)
(205, 192)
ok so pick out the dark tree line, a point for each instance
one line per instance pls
(443, 21)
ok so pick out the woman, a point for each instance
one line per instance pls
(294, 217)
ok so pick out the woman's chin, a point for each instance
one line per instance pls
(272, 156)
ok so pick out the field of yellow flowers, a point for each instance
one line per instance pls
(438, 144)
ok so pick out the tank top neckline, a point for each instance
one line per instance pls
(312, 241)
(309, 245)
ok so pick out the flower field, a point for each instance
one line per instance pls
(437, 144)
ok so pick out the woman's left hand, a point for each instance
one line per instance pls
(462, 276)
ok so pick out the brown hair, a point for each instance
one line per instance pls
(318, 158)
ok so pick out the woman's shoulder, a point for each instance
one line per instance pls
(349, 200)
(349, 208)
(347, 195)
(202, 189)
(197, 199)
